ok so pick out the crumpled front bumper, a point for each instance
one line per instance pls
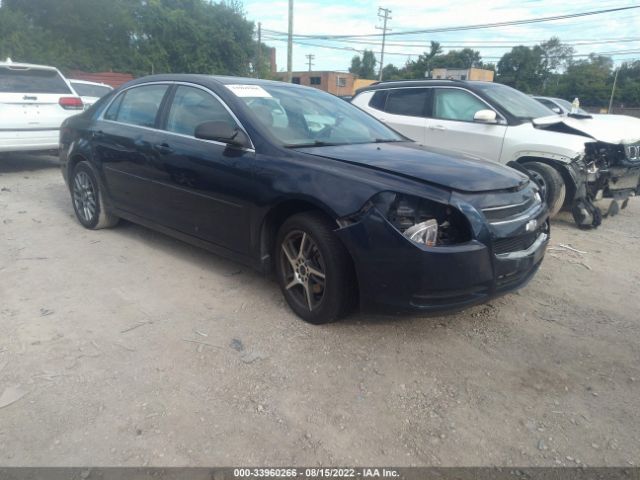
(398, 275)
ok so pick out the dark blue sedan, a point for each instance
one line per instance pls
(290, 179)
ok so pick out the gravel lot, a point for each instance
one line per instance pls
(98, 364)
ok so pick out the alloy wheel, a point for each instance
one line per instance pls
(84, 196)
(304, 269)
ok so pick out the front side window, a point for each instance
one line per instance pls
(191, 107)
(138, 105)
(456, 104)
(407, 101)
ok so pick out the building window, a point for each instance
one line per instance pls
(341, 81)
(296, 80)
(316, 80)
(463, 77)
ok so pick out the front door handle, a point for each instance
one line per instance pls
(164, 148)
(437, 127)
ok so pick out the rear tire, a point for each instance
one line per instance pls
(551, 184)
(87, 199)
(314, 269)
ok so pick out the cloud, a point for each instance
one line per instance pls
(360, 17)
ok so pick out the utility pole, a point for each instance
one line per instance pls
(259, 59)
(310, 57)
(384, 14)
(290, 43)
(613, 90)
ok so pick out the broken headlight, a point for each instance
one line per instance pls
(423, 221)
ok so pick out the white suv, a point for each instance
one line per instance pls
(34, 100)
(90, 92)
(573, 166)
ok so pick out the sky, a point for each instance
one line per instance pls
(620, 30)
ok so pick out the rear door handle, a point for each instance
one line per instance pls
(164, 148)
(436, 127)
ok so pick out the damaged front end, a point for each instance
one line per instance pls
(584, 174)
(618, 174)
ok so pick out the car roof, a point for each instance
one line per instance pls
(422, 83)
(27, 65)
(213, 80)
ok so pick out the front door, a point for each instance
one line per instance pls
(203, 185)
(451, 125)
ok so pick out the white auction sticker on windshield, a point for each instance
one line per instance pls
(254, 91)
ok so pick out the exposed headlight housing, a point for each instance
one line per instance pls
(423, 221)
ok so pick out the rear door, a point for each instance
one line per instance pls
(404, 110)
(124, 143)
(451, 125)
(30, 99)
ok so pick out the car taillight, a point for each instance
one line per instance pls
(71, 103)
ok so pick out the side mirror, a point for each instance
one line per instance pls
(485, 116)
(222, 132)
(556, 110)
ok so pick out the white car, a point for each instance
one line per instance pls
(574, 162)
(90, 92)
(34, 101)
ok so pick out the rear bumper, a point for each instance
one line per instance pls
(29, 140)
(397, 275)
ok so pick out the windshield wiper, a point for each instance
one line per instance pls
(315, 143)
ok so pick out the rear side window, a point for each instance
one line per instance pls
(378, 100)
(409, 101)
(192, 107)
(456, 104)
(31, 80)
(138, 106)
(87, 90)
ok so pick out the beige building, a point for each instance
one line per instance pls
(338, 83)
(462, 74)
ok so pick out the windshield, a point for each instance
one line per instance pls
(567, 107)
(299, 117)
(514, 102)
(88, 90)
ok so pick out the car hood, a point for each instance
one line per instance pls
(454, 171)
(603, 128)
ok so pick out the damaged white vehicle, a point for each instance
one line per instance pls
(574, 162)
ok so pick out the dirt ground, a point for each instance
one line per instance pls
(99, 365)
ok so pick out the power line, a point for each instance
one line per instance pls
(404, 54)
(466, 27)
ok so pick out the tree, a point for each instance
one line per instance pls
(139, 36)
(590, 80)
(522, 68)
(365, 66)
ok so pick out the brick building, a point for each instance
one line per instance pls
(463, 74)
(338, 83)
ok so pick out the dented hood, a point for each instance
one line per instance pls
(452, 170)
(615, 129)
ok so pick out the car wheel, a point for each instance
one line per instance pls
(314, 269)
(87, 199)
(551, 183)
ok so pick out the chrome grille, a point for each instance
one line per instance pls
(633, 152)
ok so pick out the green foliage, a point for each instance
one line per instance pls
(522, 68)
(137, 36)
(365, 66)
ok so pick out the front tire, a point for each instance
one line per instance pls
(87, 199)
(551, 184)
(314, 269)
